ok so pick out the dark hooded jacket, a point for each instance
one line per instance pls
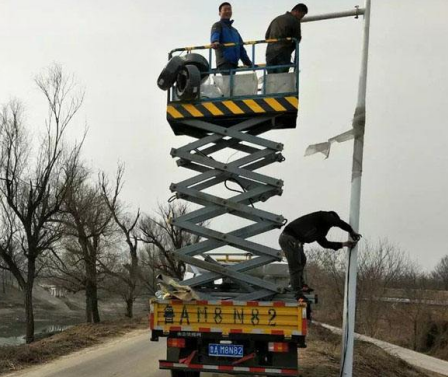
(284, 26)
(314, 228)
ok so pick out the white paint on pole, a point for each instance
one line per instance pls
(359, 121)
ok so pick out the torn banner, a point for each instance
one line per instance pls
(325, 147)
(359, 123)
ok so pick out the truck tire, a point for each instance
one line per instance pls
(188, 83)
(168, 76)
(200, 62)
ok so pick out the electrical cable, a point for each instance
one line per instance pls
(230, 179)
(240, 192)
(231, 189)
(233, 154)
(202, 153)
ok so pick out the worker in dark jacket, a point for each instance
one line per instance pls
(285, 26)
(223, 32)
(307, 229)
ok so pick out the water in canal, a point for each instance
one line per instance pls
(14, 334)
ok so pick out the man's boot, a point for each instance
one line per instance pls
(307, 289)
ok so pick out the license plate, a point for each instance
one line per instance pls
(228, 350)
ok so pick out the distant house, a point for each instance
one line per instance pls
(54, 290)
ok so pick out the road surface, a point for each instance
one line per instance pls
(130, 356)
(135, 356)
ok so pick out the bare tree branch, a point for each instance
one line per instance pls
(34, 185)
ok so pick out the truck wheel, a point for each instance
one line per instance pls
(169, 74)
(200, 62)
(181, 373)
(188, 83)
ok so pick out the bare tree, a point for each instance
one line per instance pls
(88, 221)
(325, 273)
(148, 269)
(128, 228)
(381, 267)
(67, 269)
(415, 312)
(34, 186)
(440, 272)
(163, 238)
(10, 256)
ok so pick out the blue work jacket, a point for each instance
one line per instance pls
(224, 32)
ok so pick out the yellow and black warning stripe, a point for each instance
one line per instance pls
(208, 109)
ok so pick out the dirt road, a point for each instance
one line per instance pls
(132, 355)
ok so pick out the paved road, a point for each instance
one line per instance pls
(417, 359)
(135, 356)
(130, 356)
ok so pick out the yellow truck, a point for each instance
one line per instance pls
(225, 336)
(244, 323)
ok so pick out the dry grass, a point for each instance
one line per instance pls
(405, 325)
(322, 358)
(13, 358)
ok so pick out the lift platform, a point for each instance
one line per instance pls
(233, 117)
(240, 98)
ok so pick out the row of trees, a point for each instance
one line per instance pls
(61, 221)
(396, 300)
(440, 273)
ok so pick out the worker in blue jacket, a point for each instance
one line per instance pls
(223, 32)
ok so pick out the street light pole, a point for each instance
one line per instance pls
(330, 16)
(359, 122)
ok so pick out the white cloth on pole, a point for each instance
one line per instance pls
(359, 122)
(325, 147)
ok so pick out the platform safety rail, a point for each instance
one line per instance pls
(256, 67)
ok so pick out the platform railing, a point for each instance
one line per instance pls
(255, 67)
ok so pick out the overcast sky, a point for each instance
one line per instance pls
(117, 49)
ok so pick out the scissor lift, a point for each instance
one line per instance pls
(237, 123)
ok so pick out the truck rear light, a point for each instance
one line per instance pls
(176, 342)
(151, 321)
(278, 347)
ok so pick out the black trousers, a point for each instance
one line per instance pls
(296, 258)
(280, 59)
(227, 66)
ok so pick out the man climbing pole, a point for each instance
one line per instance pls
(223, 32)
(307, 229)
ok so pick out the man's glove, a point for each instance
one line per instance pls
(356, 236)
(349, 244)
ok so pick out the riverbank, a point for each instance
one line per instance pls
(13, 358)
(54, 314)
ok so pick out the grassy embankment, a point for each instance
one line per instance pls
(320, 359)
(78, 337)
